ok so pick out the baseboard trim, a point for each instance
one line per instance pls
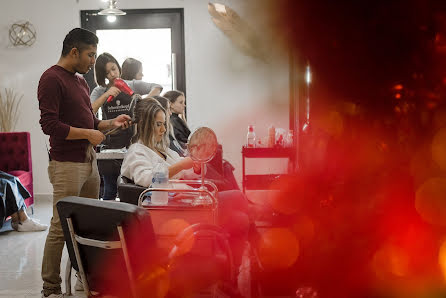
(43, 197)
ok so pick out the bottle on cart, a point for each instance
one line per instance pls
(271, 136)
(160, 180)
(251, 137)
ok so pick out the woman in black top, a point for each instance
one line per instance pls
(177, 105)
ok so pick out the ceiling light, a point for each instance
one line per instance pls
(111, 10)
(111, 18)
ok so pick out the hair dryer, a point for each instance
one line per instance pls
(121, 85)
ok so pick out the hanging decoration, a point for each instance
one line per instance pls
(22, 34)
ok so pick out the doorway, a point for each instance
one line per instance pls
(153, 36)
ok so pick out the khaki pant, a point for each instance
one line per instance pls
(68, 179)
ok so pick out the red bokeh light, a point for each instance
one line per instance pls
(278, 248)
(171, 229)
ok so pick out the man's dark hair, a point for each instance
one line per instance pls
(78, 38)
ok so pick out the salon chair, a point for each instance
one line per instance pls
(220, 171)
(107, 242)
(15, 159)
(114, 248)
(217, 161)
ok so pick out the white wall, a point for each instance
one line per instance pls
(226, 90)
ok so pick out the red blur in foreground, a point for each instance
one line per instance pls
(365, 214)
(363, 223)
(172, 228)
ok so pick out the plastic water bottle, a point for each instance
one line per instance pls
(251, 137)
(160, 180)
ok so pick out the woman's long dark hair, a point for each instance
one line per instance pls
(173, 95)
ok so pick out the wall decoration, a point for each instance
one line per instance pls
(22, 34)
(241, 34)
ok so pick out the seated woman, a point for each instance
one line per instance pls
(177, 106)
(151, 145)
(13, 195)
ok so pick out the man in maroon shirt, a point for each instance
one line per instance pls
(67, 117)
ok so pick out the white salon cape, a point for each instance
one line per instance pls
(140, 160)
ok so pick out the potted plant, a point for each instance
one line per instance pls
(9, 108)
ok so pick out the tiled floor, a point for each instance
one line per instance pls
(21, 259)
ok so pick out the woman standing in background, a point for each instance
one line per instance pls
(132, 69)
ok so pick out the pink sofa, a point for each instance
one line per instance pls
(15, 159)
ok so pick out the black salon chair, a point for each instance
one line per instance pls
(103, 241)
(113, 247)
(220, 171)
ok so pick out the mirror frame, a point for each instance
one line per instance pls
(190, 146)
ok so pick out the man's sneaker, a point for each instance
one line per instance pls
(31, 225)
